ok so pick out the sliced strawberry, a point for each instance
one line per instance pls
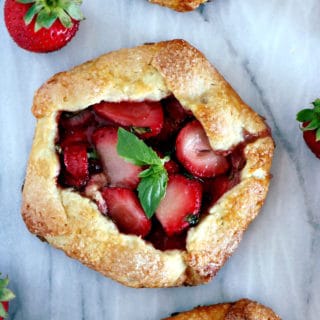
(162, 241)
(217, 187)
(76, 165)
(195, 153)
(237, 159)
(119, 172)
(174, 110)
(181, 204)
(74, 136)
(175, 115)
(125, 210)
(146, 118)
(76, 120)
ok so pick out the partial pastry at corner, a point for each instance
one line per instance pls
(241, 310)
(179, 5)
(146, 166)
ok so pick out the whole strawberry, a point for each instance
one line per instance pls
(310, 119)
(42, 25)
(5, 296)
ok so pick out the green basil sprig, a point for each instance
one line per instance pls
(154, 179)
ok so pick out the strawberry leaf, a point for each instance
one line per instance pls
(6, 295)
(316, 103)
(74, 11)
(3, 313)
(46, 18)
(318, 135)
(305, 115)
(4, 283)
(64, 18)
(47, 12)
(151, 190)
(37, 27)
(314, 124)
(33, 10)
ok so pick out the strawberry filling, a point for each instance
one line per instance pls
(198, 176)
(195, 153)
(125, 210)
(120, 172)
(145, 118)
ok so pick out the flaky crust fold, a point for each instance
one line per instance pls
(179, 5)
(74, 224)
(241, 310)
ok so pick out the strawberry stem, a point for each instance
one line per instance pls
(46, 12)
(311, 118)
(5, 295)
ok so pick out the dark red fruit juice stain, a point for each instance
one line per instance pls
(162, 241)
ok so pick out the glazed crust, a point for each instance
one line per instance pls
(74, 224)
(240, 310)
(179, 5)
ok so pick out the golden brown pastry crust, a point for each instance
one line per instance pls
(74, 224)
(179, 5)
(241, 310)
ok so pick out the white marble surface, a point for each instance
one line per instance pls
(270, 52)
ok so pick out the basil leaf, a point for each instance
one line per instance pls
(135, 150)
(151, 190)
(92, 154)
(140, 130)
(153, 170)
(305, 115)
(154, 179)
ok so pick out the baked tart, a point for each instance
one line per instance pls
(179, 5)
(241, 310)
(146, 166)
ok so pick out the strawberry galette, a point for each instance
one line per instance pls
(243, 309)
(179, 5)
(146, 166)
